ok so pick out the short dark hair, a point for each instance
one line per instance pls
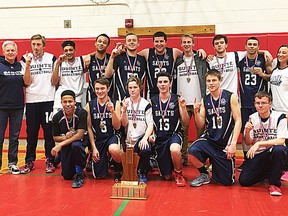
(102, 81)
(213, 72)
(262, 94)
(253, 38)
(160, 34)
(164, 73)
(39, 37)
(135, 79)
(218, 37)
(104, 35)
(68, 92)
(68, 43)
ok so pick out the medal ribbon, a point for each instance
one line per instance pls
(246, 62)
(102, 115)
(224, 63)
(263, 128)
(160, 63)
(165, 110)
(69, 64)
(100, 66)
(38, 60)
(219, 102)
(67, 122)
(132, 68)
(134, 112)
(186, 67)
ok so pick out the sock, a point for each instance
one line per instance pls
(78, 169)
(203, 170)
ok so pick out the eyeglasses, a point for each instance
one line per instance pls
(261, 103)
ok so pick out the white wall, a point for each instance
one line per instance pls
(23, 18)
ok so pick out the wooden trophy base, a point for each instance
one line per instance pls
(129, 190)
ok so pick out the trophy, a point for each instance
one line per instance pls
(129, 187)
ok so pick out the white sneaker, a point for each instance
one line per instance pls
(14, 169)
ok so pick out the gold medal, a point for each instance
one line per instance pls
(102, 125)
(219, 121)
(134, 125)
(252, 70)
(188, 79)
(71, 129)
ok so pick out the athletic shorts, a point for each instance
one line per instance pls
(223, 170)
(163, 156)
(100, 169)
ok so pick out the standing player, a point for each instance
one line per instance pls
(220, 111)
(68, 74)
(125, 65)
(254, 74)
(190, 73)
(168, 111)
(39, 103)
(160, 58)
(265, 131)
(279, 89)
(98, 61)
(103, 121)
(226, 63)
(138, 122)
(69, 127)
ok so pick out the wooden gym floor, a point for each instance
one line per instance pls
(38, 193)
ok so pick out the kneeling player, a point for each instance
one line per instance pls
(69, 127)
(103, 121)
(220, 111)
(168, 110)
(138, 122)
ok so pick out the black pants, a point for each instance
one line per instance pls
(73, 155)
(265, 165)
(39, 114)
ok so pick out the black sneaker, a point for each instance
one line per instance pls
(14, 169)
(153, 163)
(117, 176)
(79, 180)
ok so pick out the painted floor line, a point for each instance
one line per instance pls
(121, 208)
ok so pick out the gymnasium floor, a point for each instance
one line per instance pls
(38, 193)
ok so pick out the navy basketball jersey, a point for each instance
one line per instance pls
(166, 124)
(101, 121)
(251, 83)
(157, 63)
(219, 119)
(126, 66)
(61, 125)
(96, 69)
